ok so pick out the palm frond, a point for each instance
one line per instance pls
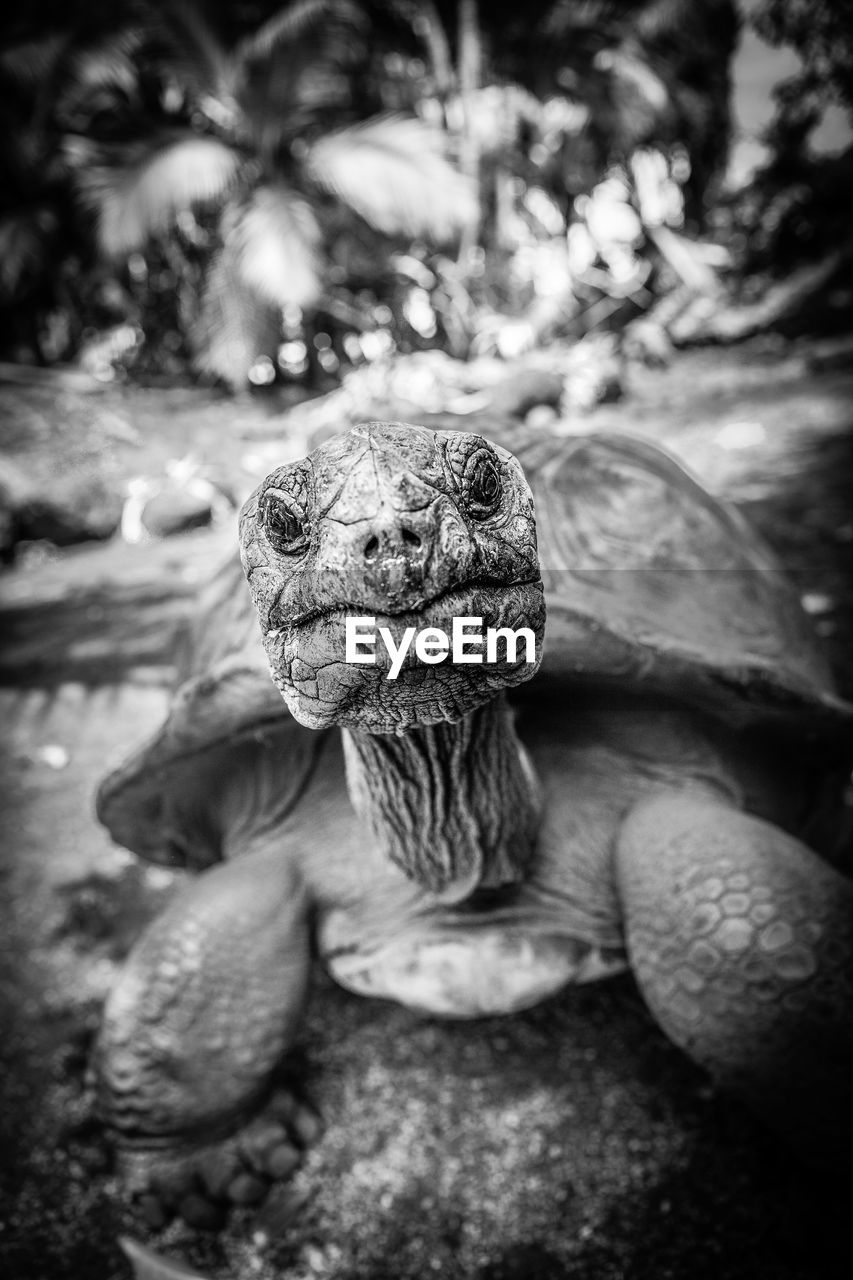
(233, 327)
(98, 78)
(567, 17)
(663, 17)
(135, 61)
(136, 191)
(194, 50)
(636, 83)
(295, 73)
(392, 172)
(275, 243)
(295, 22)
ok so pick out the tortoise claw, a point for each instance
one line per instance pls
(204, 1184)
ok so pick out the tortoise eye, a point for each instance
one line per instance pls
(285, 527)
(484, 485)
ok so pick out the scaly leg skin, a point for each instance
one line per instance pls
(201, 1016)
(741, 940)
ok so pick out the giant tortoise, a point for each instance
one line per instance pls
(663, 796)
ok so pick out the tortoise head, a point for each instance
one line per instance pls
(410, 529)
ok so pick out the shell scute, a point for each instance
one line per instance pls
(649, 578)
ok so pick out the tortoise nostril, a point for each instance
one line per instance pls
(392, 542)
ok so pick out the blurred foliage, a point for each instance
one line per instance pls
(649, 72)
(265, 192)
(821, 32)
(796, 210)
(236, 156)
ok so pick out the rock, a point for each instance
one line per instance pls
(525, 388)
(60, 476)
(153, 1212)
(282, 1161)
(175, 509)
(81, 511)
(246, 1189)
(219, 1169)
(306, 1125)
(75, 507)
(199, 1212)
(540, 417)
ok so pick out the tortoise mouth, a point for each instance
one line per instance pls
(448, 603)
(375, 675)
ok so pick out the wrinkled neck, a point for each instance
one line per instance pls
(455, 805)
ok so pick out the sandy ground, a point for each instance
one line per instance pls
(572, 1141)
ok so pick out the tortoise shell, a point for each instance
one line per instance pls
(650, 582)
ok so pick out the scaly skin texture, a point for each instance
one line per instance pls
(467, 789)
(207, 1005)
(389, 521)
(741, 939)
(451, 877)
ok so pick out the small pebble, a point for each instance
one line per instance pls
(258, 1139)
(246, 1189)
(96, 1159)
(175, 1185)
(282, 1161)
(218, 1171)
(306, 1126)
(201, 1213)
(153, 1212)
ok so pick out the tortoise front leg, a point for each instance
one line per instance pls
(203, 1013)
(741, 939)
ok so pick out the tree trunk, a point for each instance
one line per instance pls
(470, 77)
